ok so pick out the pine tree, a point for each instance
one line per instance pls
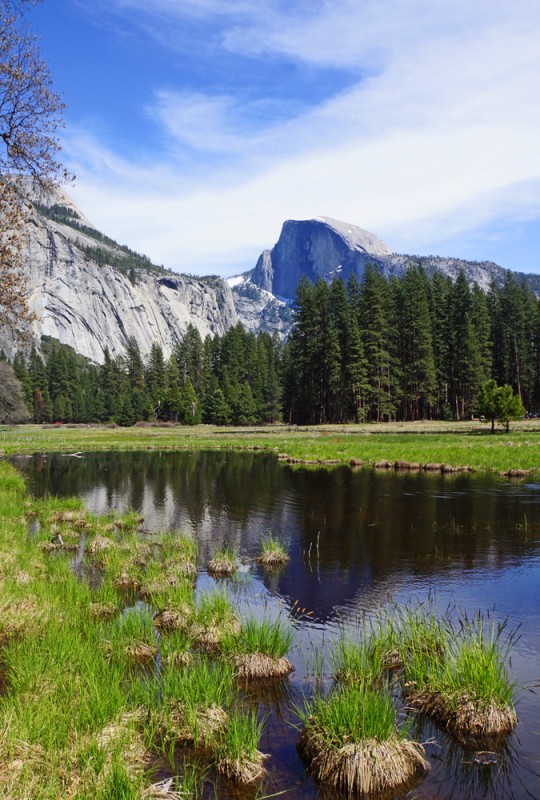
(301, 376)
(440, 289)
(377, 315)
(190, 407)
(327, 354)
(464, 352)
(416, 346)
(216, 410)
(173, 394)
(189, 354)
(155, 380)
(20, 368)
(355, 361)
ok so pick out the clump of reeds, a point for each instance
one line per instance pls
(132, 637)
(178, 544)
(100, 543)
(467, 690)
(224, 563)
(175, 649)
(418, 630)
(214, 619)
(274, 554)
(196, 700)
(259, 650)
(161, 586)
(239, 758)
(358, 660)
(351, 743)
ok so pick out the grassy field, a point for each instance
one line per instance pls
(453, 443)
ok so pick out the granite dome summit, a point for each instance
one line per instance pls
(89, 292)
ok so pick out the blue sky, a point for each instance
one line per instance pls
(196, 127)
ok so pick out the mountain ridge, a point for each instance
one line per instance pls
(93, 294)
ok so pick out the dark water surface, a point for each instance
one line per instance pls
(358, 539)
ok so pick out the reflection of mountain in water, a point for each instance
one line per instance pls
(353, 535)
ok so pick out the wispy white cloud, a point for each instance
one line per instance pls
(438, 135)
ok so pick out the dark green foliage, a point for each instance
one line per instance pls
(410, 348)
(112, 254)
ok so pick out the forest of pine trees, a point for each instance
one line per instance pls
(407, 348)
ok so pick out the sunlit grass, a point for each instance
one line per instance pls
(456, 443)
(273, 551)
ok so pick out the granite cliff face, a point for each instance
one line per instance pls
(318, 248)
(325, 248)
(90, 293)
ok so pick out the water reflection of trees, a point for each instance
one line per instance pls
(350, 532)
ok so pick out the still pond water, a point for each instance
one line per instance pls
(358, 539)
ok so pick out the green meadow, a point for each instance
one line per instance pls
(453, 443)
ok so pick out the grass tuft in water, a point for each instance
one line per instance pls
(238, 755)
(224, 563)
(274, 553)
(259, 650)
(351, 743)
(468, 690)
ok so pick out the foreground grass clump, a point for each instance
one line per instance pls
(132, 637)
(358, 660)
(224, 563)
(239, 758)
(259, 650)
(194, 702)
(274, 554)
(213, 620)
(466, 689)
(351, 743)
(418, 631)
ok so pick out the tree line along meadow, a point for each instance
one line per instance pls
(383, 349)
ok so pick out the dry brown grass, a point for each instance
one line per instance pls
(365, 768)
(103, 610)
(164, 790)
(257, 666)
(171, 620)
(126, 582)
(20, 617)
(209, 723)
(470, 721)
(68, 516)
(273, 560)
(180, 567)
(209, 637)
(141, 652)
(392, 659)
(243, 770)
(221, 567)
(179, 660)
(99, 544)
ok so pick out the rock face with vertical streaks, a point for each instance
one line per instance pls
(92, 294)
